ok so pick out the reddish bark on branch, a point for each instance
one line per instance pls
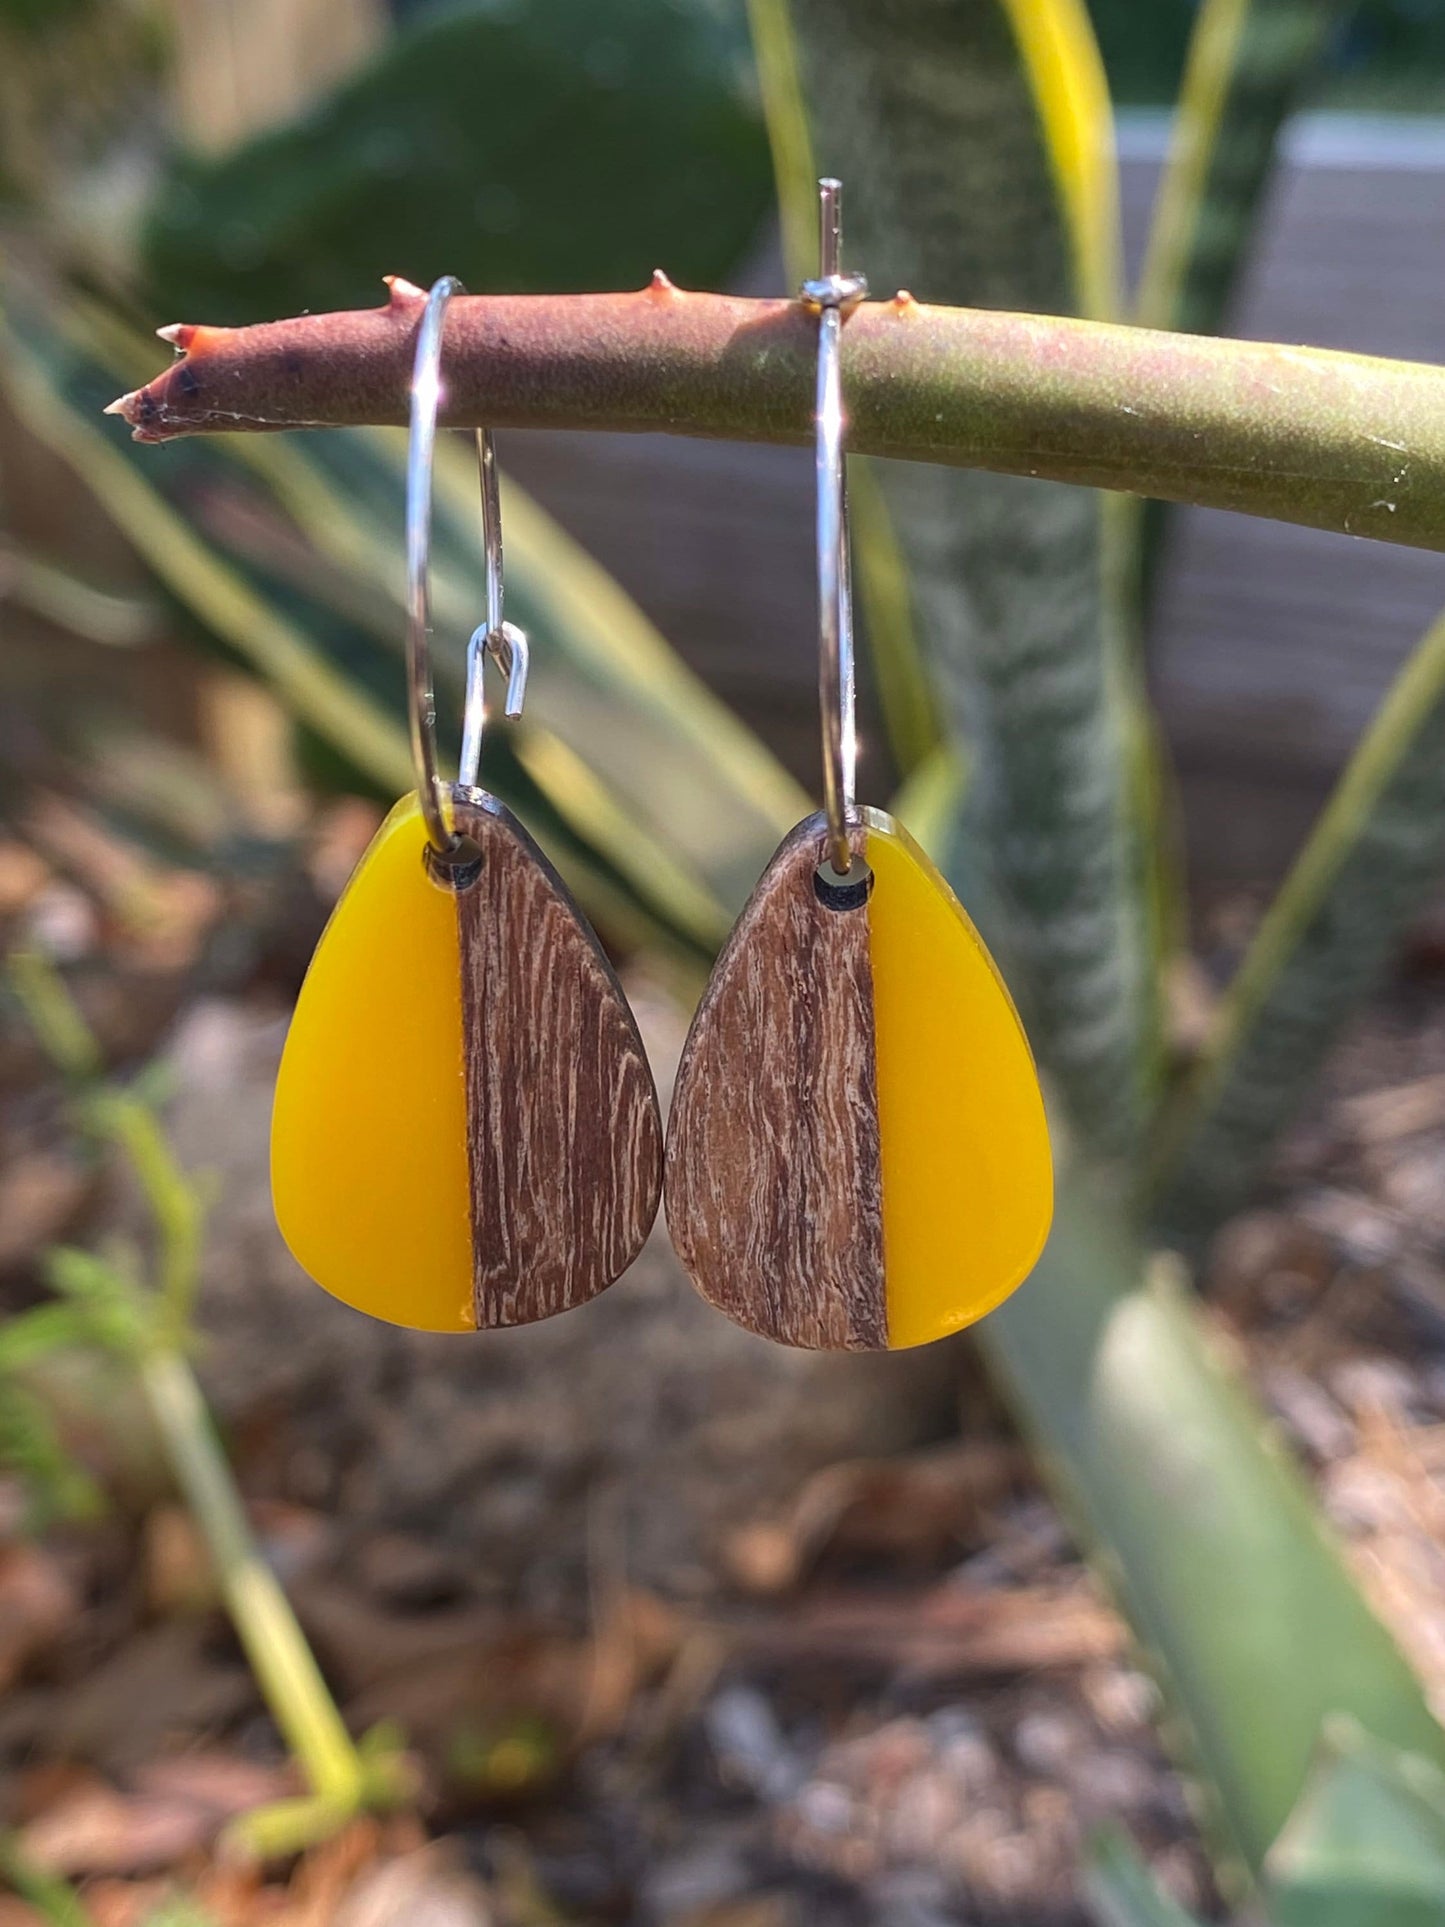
(1305, 435)
(657, 358)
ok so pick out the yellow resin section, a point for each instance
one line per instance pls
(368, 1134)
(968, 1188)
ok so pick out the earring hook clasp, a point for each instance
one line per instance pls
(832, 298)
(500, 639)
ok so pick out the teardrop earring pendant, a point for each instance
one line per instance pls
(857, 1155)
(465, 1131)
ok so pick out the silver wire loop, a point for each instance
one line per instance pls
(421, 449)
(496, 637)
(503, 641)
(508, 648)
(832, 298)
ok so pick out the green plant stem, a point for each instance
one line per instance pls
(54, 1899)
(54, 1016)
(1332, 441)
(176, 1210)
(1371, 860)
(283, 1664)
(120, 1118)
(275, 1646)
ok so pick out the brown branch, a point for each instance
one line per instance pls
(1304, 435)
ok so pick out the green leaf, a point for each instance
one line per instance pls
(674, 759)
(56, 1487)
(218, 595)
(62, 596)
(657, 804)
(1249, 62)
(1120, 1891)
(321, 668)
(975, 144)
(1204, 1528)
(54, 1899)
(637, 756)
(930, 802)
(1373, 857)
(1365, 1847)
(34, 1334)
(113, 1307)
(552, 145)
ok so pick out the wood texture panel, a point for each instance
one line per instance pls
(564, 1136)
(774, 1192)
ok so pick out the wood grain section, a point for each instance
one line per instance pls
(564, 1136)
(774, 1190)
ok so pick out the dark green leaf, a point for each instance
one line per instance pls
(1370, 863)
(291, 556)
(1207, 1532)
(553, 145)
(1365, 1847)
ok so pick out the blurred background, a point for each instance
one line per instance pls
(647, 1620)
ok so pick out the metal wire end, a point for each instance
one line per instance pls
(832, 298)
(496, 637)
(420, 461)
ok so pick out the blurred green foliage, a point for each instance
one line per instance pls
(1366, 1843)
(1392, 54)
(556, 144)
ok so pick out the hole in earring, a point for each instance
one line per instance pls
(836, 890)
(455, 869)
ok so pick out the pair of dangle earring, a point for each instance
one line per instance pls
(466, 1133)
(857, 1155)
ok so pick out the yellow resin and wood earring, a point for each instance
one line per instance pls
(857, 1156)
(465, 1131)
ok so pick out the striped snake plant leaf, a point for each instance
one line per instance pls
(631, 747)
(318, 667)
(1207, 1533)
(974, 141)
(60, 594)
(217, 595)
(1249, 62)
(1375, 853)
(311, 602)
(1380, 843)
